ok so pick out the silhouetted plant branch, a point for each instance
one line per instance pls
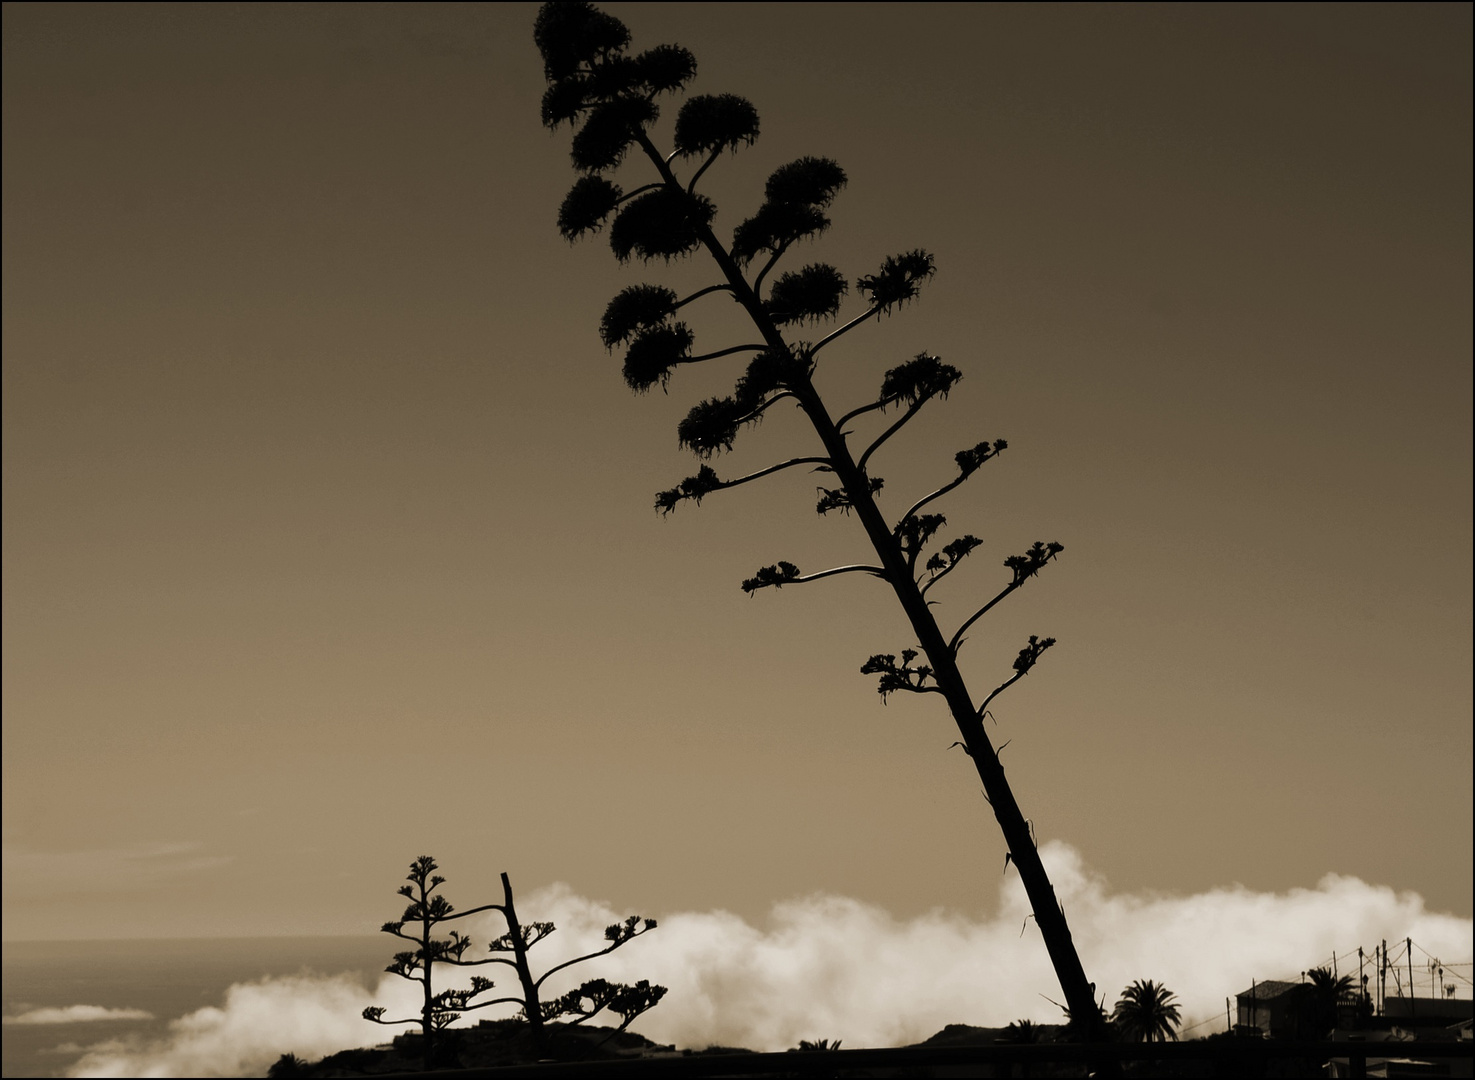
(912, 534)
(969, 462)
(722, 287)
(786, 573)
(903, 677)
(839, 498)
(916, 382)
(705, 482)
(873, 406)
(1022, 665)
(616, 934)
(773, 259)
(870, 312)
(1024, 567)
(725, 352)
(943, 563)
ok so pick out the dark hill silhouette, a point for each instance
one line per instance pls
(509, 1042)
(489, 1044)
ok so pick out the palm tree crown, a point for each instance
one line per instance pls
(1318, 999)
(1147, 1012)
(1021, 1031)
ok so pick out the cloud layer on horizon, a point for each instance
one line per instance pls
(835, 967)
(76, 1014)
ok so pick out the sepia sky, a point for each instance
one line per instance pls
(328, 527)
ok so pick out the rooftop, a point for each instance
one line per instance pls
(1268, 990)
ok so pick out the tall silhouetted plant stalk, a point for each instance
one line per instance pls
(593, 996)
(426, 911)
(609, 97)
(438, 1010)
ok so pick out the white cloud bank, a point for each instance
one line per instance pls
(311, 1016)
(832, 967)
(76, 1014)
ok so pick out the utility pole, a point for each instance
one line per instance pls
(1361, 978)
(1408, 944)
(1383, 980)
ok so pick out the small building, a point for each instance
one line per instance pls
(1429, 1011)
(1266, 1006)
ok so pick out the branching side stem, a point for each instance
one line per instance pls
(771, 263)
(723, 352)
(761, 473)
(700, 292)
(935, 578)
(851, 325)
(874, 571)
(984, 707)
(980, 613)
(939, 493)
(912, 410)
(872, 407)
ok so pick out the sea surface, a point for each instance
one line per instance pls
(166, 978)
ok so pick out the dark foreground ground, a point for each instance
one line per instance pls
(958, 1050)
(503, 1043)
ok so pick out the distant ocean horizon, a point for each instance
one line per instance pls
(165, 978)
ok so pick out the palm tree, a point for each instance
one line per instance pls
(1320, 994)
(1147, 1012)
(286, 1066)
(1021, 1032)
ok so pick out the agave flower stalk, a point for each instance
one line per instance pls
(609, 97)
